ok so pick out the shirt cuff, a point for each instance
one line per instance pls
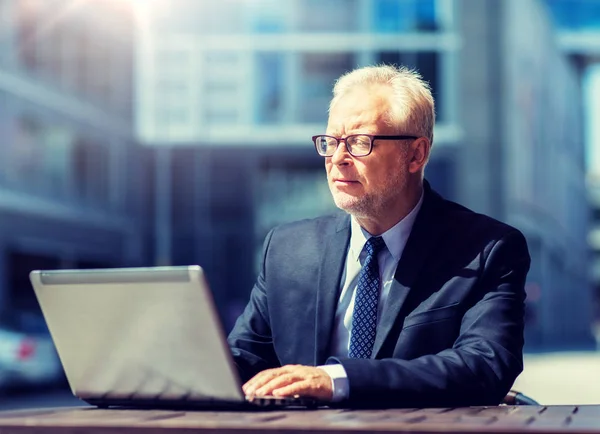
(339, 381)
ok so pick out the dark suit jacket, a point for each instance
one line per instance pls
(451, 333)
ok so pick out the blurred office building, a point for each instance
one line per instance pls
(230, 93)
(522, 102)
(578, 24)
(70, 173)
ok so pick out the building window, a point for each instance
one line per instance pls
(171, 89)
(575, 14)
(87, 51)
(25, 167)
(221, 116)
(207, 17)
(394, 16)
(269, 88)
(266, 16)
(58, 143)
(427, 63)
(318, 74)
(329, 16)
(286, 190)
(39, 156)
(91, 171)
(28, 17)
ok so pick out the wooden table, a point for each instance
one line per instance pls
(503, 419)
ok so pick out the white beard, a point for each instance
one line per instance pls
(372, 204)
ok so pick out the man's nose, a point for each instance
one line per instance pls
(341, 154)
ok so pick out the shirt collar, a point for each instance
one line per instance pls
(395, 238)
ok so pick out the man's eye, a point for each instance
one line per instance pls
(361, 141)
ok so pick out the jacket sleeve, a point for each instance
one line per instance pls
(485, 359)
(251, 340)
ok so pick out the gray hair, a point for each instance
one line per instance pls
(412, 104)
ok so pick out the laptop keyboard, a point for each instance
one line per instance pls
(274, 401)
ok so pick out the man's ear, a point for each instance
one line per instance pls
(419, 154)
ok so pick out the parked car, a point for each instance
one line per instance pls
(27, 354)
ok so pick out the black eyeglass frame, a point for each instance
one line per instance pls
(372, 138)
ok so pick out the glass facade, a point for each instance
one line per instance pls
(69, 194)
(428, 65)
(221, 90)
(39, 157)
(59, 44)
(196, 77)
(73, 185)
(91, 171)
(394, 16)
(329, 16)
(318, 73)
(245, 84)
(575, 14)
(47, 156)
(578, 24)
(267, 16)
(269, 85)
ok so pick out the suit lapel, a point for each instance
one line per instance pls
(332, 265)
(419, 244)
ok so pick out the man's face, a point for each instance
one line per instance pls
(368, 186)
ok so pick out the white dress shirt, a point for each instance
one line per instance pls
(395, 239)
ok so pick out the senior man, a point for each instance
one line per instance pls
(407, 299)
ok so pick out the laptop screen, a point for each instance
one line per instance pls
(138, 333)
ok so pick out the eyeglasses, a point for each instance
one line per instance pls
(358, 145)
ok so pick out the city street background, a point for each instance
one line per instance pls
(174, 132)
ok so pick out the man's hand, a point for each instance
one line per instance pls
(291, 380)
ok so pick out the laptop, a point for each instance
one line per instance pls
(143, 337)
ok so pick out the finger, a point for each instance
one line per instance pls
(260, 380)
(306, 388)
(278, 382)
(265, 376)
(257, 381)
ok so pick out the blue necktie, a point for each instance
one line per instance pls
(364, 317)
